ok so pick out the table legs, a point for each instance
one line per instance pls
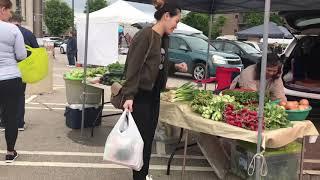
(184, 155)
(176, 149)
(302, 158)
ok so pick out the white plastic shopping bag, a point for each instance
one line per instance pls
(124, 145)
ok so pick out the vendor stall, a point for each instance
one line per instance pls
(232, 114)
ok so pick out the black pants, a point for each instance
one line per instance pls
(21, 109)
(10, 92)
(71, 58)
(146, 113)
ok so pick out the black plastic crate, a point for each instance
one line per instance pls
(74, 117)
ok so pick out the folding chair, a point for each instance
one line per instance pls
(223, 79)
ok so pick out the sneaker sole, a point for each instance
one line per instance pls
(11, 161)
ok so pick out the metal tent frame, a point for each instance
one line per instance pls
(223, 6)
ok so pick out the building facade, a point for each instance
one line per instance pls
(234, 23)
(31, 11)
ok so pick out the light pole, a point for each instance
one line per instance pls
(73, 16)
(37, 18)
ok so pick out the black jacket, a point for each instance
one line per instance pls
(72, 45)
(29, 37)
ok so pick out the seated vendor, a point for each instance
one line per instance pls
(249, 78)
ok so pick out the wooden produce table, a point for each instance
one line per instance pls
(181, 115)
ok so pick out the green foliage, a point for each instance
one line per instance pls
(95, 5)
(201, 21)
(58, 17)
(256, 18)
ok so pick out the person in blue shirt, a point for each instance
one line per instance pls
(30, 40)
(121, 34)
(72, 49)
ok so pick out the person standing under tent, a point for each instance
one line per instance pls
(120, 34)
(72, 49)
(12, 49)
(145, 80)
(30, 40)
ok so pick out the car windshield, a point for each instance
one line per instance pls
(198, 44)
(247, 48)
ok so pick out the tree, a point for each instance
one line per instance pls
(58, 17)
(256, 18)
(201, 21)
(95, 5)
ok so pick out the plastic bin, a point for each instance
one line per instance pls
(298, 115)
(73, 114)
(74, 90)
(282, 164)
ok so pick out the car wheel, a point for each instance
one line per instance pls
(62, 50)
(199, 71)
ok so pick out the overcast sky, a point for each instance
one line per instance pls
(79, 6)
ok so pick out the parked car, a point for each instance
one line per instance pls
(193, 51)
(301, 73)
(55, 40)
(249, 55)
(254, 44)
(63, 48)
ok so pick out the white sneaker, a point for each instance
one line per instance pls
(23, 128)
(149, 177)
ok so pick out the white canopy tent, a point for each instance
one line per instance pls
(125, 13)
(121, 12)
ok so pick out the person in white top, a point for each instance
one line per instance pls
(12, 50)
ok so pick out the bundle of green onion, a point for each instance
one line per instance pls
(183, 93)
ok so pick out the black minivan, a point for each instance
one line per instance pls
(248, 54)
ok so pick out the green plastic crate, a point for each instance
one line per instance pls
(298, 115)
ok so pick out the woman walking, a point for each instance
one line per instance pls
(146, 75)
(12, 49)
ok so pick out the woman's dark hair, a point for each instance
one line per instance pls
(7, 4)
(172, 9)
(273, 60)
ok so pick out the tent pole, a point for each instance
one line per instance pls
(208, 51)
(85, 69)
(262, 84)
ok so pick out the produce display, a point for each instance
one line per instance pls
(115, 67)
(211, 106)
(114, 74)
(245, 96)
(91, 72)
(303, 104)
(243, 118)
(183, 93)
(238, 108)
(111, 73)
(275, 116)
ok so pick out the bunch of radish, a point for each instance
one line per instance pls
(303, 104)
(243, 118)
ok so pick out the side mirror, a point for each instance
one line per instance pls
(184, 48)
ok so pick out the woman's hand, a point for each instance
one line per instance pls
(128, 104)
(182, 67)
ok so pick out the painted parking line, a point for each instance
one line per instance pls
(100, 166)
(88, 154)
(62, 109)
(31, 98)
(59, 104)
(313, 161)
